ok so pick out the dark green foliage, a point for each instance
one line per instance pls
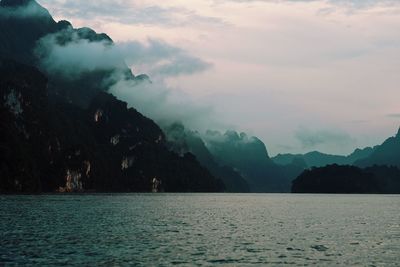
(348, 179)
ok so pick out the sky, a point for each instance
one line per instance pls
(301, 75)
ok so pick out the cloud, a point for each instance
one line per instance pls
(69, 54)
(354, 3)
(336, 59)
(66, 53)
(164, 104)
(312, 138)
(128, 12)
(230, 136)
(359, 121)
(158, 58)
(393, 115)
(31, 9)
(330, 6)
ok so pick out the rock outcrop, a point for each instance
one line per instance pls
(49, 146)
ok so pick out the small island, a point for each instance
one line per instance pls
(348, 180)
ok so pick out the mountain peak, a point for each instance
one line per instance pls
(398, 133)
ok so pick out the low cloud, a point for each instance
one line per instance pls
(158, 58)
(353, 3)
(313, 138)
(67, 53)
(163, 104)
(230, 136)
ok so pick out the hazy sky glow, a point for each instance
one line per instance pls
(300, 75)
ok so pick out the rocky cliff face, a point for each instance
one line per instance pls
(49, 146)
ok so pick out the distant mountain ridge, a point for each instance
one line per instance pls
(388, 153)
(182, 141)
(249, 156)
(318, 159)
(378, 172)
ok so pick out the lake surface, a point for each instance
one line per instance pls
(200, 229)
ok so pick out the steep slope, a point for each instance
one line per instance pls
(388, 153)
(250, 157)
(48, 146)
(182, 141)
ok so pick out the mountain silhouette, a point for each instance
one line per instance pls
(318, 159)
(388, 153)
(183, 141)
(349, 180)
(249, 156)
(70, 135)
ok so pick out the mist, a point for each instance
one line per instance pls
(311, 139)
(72, 52)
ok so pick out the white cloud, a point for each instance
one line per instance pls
(78, 55)
(276, 64)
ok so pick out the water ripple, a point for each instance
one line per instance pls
(200, 230)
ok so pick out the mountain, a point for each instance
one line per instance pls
(55, 146)
(388, 153)
(348, 179)
(22, 24)
(67, 134)
(240, 161)
(249, 156)
(183, 141)
(28, 33)
(318, 159)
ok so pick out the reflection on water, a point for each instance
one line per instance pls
(200, 229)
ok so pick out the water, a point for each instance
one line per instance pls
(200, 229)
